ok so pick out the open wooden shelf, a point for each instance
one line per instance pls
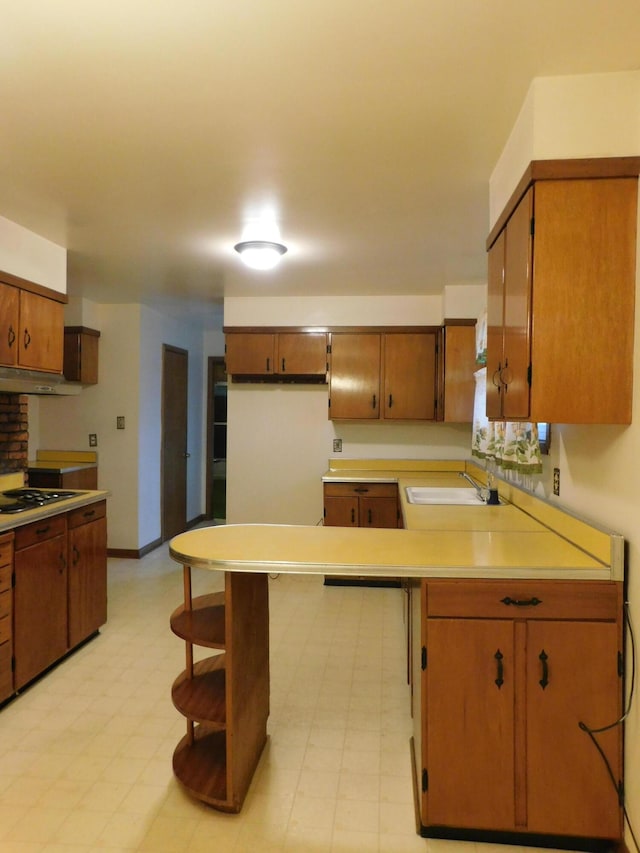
(201, 767)
(203, 698)
(226, 694)
(203, 623)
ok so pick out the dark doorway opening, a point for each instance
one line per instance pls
(217, 439)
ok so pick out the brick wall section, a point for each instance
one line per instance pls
(14, 432)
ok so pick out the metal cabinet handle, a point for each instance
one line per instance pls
(521, 602)
(268, 365)
(76, 556)
(283, 367)
(543, 658)
(27, 339)
(11, 336)
(353, 516)
(499, 669)
(390, 400)
(373, 402)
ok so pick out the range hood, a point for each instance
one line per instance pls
(14, 380)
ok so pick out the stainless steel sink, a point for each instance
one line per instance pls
(443, 495)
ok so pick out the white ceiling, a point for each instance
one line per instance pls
(144, 134)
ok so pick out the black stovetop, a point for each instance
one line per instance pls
(19, 500)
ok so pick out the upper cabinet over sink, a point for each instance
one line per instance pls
(387, 376)
(561, 289)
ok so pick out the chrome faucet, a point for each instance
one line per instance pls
(479, 489)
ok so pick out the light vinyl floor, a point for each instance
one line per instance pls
(85, 753)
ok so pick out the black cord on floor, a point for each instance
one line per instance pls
(617, 784)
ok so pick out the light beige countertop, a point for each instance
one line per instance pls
(528, 541)
(372, 552)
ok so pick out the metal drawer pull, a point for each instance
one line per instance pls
(40, 531)
(500, 669)
(543, 657)
(521, 602)
(361, 489)
(89, 513)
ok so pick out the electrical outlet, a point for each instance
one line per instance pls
(556, 481)
(120, 422)
(93, 439)
(337, 445)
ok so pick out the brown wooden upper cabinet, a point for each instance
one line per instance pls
(31, 330)
(459, 365)
(383, 375)
(276, 353)
(81, 354)
(561, 288)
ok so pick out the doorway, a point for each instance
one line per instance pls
(216, 492)
(175, 372)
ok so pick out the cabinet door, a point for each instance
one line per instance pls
(9, 319)
(459, 367)
(468, 727)
(41, 338)
(302, 353)
(354, 379)
(87, 580)
(40, 607)
(495, 326)
(409, 376)
(341, 511)
(517, 311)
(584, 291)
(251, 355)
(572, 678)
(378, 512)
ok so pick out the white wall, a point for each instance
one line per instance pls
(30, 256)
(279, 436)
(594, 115)
(130, 384)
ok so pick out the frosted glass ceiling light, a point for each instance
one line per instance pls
(260, 254)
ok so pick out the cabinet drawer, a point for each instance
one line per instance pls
(6, 550)
(5, 629)
(369, 490)
(47, 528)
(5, 605)
(5, 577)
(87, 513)
(497, 599)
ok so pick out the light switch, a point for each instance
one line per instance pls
(120, 422)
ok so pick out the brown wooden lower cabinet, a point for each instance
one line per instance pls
(361, 505)
(224, 697)
(59, 594)
(87, 576)
(6, 616)
(40, 597)
(508, 676)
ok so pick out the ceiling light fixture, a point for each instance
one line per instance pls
(260, 254)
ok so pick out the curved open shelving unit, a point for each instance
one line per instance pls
(225, 697)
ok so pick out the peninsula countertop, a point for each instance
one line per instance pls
(524, 538)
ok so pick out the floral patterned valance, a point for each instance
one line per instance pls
(511, 446)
